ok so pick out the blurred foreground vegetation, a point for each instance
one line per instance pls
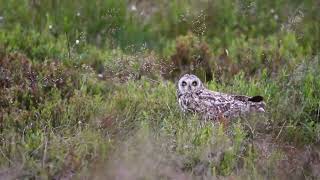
(87, 89)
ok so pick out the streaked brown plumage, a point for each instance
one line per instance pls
(211, 105)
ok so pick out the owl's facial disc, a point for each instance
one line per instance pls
(189, 83)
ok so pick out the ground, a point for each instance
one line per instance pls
(87, 89)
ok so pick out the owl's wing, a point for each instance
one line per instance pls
(215, 97)
(217, 104)
(240, 98)
(225, 104)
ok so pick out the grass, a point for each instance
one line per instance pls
(87, 89)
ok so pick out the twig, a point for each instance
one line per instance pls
(45, 148)
(68, 46)
(280, 130)
(250, 127)
(5, 156)
(318, 113)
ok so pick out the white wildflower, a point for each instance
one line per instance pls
(77, 41)
(50, 26)
(272, 11)
(227, 52)
(133, 8)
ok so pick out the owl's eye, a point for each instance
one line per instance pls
(183, 83)
(194, 83)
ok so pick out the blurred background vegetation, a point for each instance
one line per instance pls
(87, 88)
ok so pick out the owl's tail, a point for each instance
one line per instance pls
(256, 99)
(257, 104)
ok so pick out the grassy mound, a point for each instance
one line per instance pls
(87, 89)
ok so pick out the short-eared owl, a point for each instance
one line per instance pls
(194, 97)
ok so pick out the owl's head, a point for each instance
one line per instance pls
(189, 83)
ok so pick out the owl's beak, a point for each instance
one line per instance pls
(189, 87)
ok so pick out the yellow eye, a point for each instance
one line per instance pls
(183, 83)
(194, 83)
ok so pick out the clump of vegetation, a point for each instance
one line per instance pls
(87, 89)
(193, 57)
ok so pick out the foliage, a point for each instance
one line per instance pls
(87, 89)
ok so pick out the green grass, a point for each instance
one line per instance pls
(87, 89)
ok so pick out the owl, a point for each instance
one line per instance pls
(210, 105)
